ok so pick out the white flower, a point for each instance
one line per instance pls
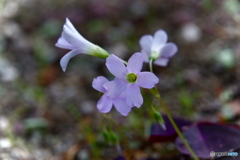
(155, 48)
(72, 40)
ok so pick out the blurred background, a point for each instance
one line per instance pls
(48, 114)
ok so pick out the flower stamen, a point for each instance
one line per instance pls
(131, 77)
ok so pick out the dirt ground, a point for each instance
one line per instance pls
(48, 114)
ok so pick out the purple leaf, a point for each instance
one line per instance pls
(158, 134)
(206, 137)
(120, 158)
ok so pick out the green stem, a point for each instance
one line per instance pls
(155, 92)
(157, 95)
(150, 65)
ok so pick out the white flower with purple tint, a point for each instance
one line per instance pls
(156, 48)
(105, 103)
(128, 79)
(72, 40)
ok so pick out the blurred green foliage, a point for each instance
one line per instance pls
(187, 101)
(231, 6)
(34, 126)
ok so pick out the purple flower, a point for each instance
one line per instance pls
(72, 40)
(155, 48)
(105, 103)
(128, 79)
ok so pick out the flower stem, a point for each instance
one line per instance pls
(155, 92)
(150, 65)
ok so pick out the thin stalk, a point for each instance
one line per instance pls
(155, 92)
(157, 95)
(150, 65)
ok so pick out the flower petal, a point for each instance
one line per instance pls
(145, 56)
(161, 61)
(104, 104)
(121, 106)
(62, 43)
(168, 50)
(116, 66)
(160, 38)
(74, 40)
(146, 43)
(135, 63)
(74, 37)
(65, 59)
(147, 80)
(98, 83)
(133, 95)
(70, 26)
(115, 88)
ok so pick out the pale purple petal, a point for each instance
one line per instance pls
(133, 95)
(62, 43)
(116, 66)
(74, 39)
(70, 26)
(104, 104)
(121, 106)
(135, 63)
(123, 94)
(145, 56)
(168, 50)
(98, 83)
(146, 43)
(161, 61)
(147, 80)
(115, 88)
(65, 59)
(159, 39)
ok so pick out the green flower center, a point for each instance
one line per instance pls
(131, 77)
(154, 55)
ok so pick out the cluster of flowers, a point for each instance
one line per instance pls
(123, 92)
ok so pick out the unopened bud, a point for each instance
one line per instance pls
(159, 119)
(106, 135)
(114, 138)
